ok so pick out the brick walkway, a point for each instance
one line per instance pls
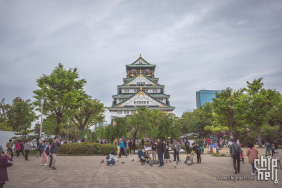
(89, 172)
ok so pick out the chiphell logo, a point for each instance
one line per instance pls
(267, 168)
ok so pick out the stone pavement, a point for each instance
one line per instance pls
(89, 172)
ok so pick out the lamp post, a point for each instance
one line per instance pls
(42, 102)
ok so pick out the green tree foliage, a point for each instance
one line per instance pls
(253, 107)
(63, 92)
(4, 109)
(197, 120)
(90, 112)
(223, 106)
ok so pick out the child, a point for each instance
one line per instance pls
(277, 156)
(111, 159)
(189, 157)
(141, 157)
(242, 156)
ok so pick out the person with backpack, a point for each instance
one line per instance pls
(187, 145)
(235, 153)
(111, 159)
(160, 148)
(122, 149)
(44, 158)
(198, 151)
(267, 147)
(54, 150)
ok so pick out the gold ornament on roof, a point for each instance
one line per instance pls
(140, 71)
(132, 75)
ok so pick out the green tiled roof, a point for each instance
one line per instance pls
(135, 108)
(126, 80)
(122, 96)
(158, 95)
(144, 76)
(139, 59)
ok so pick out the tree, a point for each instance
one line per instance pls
(4, 109)
(253, 107)
(223, 106)
(275, 113)
(88, 113)
(139, 123)
(21, 115)
(63, 92)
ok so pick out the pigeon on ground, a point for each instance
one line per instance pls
(165, 161)
(176, 162)
(122, 162)
(174, 166)
(132, 160)
(102, 161)
(170, 161)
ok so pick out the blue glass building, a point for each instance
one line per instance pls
(204, 96)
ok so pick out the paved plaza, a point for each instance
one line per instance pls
(89, 172)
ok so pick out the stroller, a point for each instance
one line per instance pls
(189, 159)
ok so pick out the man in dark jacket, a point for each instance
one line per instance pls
(5, 162)
(235, 153)
(160, 148)
(54, 151)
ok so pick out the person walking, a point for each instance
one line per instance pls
(154, 150)
(44, 158)
(121, 149)
(267, 147)
(160, 148)
(252, 154)
(166, 152)
(26, 149)
(54, 151)
(5, 162)
(18, 148)
(9, 147)
(235, 153)
(49, 154)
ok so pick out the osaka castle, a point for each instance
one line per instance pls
(140, 88)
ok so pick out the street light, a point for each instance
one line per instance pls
(42, 102)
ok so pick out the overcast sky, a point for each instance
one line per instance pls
(195, 44)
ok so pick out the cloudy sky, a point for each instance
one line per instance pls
(195, 44)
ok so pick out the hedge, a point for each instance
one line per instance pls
(87, 148)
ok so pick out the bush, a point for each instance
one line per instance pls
(244, 139)
(87, 148)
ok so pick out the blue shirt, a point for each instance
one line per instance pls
(122, 144)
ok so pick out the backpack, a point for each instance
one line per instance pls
(236, 152)
(47, 151)
(42, 148)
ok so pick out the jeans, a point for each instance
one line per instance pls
(267, 150)
(111, 162)
(121, 152)
(26, 154)
(161, 158)
(10, 151)
(199, 158)
(51, 160)
(176, 155)
(236, 159)
(253, 167)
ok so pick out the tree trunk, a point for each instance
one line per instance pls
(134, 135)
(259, 138)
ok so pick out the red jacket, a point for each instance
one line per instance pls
(208, 141)
(4, 163)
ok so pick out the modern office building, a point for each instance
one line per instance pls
(204, 96)
(140, 88)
